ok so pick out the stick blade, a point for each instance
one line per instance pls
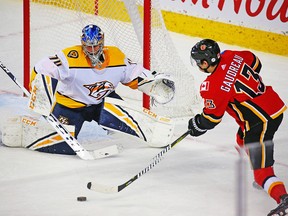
(102, 188)
(107, 151)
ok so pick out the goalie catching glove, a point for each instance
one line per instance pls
(157, 85)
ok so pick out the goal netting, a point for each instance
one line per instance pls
(56, 24)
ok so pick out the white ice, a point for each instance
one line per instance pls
(197, 177)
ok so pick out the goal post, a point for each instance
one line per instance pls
(135, 26)
(26, 43)
(147, 45)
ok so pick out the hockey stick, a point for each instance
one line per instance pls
(64, 133)
(114, 189)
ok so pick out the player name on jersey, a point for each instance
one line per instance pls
(231, 73)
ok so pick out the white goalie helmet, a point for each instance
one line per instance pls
(92, 41)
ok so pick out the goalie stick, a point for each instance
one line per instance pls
(64, 133)
(114, 189)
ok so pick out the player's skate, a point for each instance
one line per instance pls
(282, 209)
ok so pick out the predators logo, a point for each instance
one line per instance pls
(100, 90)
(73, 54)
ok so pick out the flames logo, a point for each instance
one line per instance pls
(209, 104)
(100, 90)
(203, 47)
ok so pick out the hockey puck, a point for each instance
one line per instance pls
(81, 198)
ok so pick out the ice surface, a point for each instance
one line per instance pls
(197, 177)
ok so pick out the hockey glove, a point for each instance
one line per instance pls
(194, 126)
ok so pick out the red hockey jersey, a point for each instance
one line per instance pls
(236, 87)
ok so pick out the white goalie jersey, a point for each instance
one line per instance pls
(80, 84)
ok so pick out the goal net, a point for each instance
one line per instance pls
(56, 24)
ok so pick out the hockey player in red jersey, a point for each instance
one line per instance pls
(234, 85)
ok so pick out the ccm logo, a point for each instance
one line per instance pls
(29, 122)
(33, 97)
(150, 113)
(154, 115)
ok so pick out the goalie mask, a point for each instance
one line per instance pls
(205, 50)
(92, 40)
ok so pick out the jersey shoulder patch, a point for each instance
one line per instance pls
(72, 52)
(75, 56)
(204, 86)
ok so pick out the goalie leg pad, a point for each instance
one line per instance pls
(42, 137)
(59, 148)
(12, 132)
(34, 134)
(156, 130)
(116, 118)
